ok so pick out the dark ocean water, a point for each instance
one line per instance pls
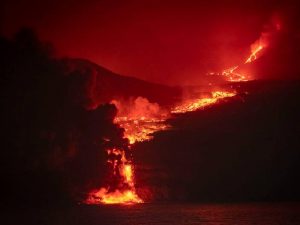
(160, 214)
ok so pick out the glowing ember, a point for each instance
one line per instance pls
(193, 105)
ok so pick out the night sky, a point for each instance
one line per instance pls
(172, 42)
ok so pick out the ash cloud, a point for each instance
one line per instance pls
(53, 136)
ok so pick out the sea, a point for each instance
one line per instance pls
(161, 214)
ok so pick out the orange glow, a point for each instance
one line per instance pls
(254, 53)
(257, 48)
(234, 76)
(128, 174)
(139, 123)
(116, 197)
(127, 195)
(140, 119)
(193, 105)
(139, 127)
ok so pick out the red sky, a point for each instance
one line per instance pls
(171, 42)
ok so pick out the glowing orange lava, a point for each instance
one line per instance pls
(127, 194)
(139, 129)
(195, 104)
(254, 53)
(232, 75)
(117, 197)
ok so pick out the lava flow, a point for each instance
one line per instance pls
(232, 75)
(139, 127)
(139, 121)
(257, 49)
(121, 168)
(254, 53)
(195, 104)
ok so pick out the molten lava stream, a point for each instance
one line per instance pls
(139, 129)
(200, 103)
(123, 168)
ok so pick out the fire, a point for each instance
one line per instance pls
(193, 105)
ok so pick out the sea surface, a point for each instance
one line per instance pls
(161, 214)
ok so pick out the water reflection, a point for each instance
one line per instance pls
(162, 214)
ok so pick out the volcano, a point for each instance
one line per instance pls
(104, 138)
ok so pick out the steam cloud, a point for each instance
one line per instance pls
(138, 108)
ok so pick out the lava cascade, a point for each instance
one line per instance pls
(139, 127)
(146, 118)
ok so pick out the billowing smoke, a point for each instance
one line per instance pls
(138, 108)
(267, 38)
(53, 135)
